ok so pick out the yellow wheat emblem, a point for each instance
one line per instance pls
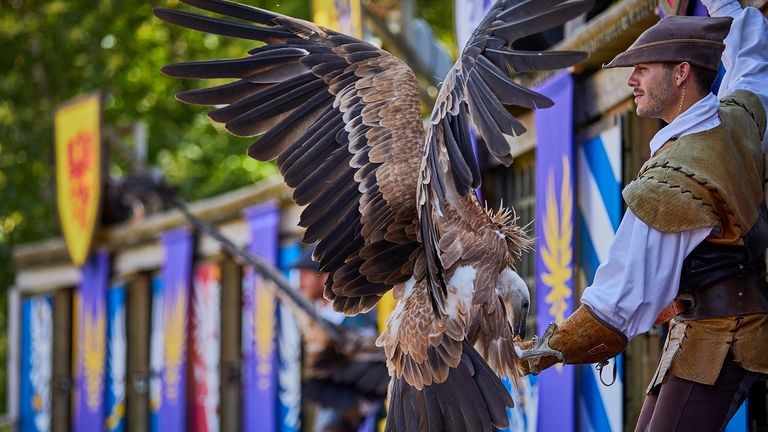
(175, 337)
(557, 254)
(264, 330)
(94, 354)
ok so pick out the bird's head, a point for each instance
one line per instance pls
(514, 295)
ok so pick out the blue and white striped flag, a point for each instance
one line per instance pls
(599, 200)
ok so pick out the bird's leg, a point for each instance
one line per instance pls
(539, 349)
(582, 338)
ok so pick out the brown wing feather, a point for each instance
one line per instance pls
(342, 118)
(480, 85)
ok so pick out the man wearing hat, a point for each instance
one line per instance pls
(690, 247)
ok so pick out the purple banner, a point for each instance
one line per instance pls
(260, 405)
(177, 279)
(554, 243)
(91, 344)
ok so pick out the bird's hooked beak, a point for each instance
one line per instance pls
(521, 318)
(516, 297)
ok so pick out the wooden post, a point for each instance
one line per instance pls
(138, 319)
(231, 336)
(62, 360)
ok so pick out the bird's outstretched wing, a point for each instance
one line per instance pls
(464, 271)
(480, 85)
(342, 118)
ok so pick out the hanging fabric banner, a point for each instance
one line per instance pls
(522, 417)
(289, 351)
(117, 359)
(36, 364)
(79, 173)
(599, 176)
(340, 15)
(156, 356)
(260, 407)
(176, 276)
(90, 344)
(554, 241)
(205, 348)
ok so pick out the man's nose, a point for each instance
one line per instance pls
(632, 81)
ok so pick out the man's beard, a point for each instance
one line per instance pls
(656, 100)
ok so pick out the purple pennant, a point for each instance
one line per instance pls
(91, 344)
(554, 242)
(260, 405)
(177, 279)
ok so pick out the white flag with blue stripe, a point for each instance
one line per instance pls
(599, 200)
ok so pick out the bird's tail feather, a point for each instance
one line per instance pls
(471, 399)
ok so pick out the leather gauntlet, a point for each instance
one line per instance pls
(582, 338)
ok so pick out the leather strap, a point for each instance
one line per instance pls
(743, 294)
(672, 310)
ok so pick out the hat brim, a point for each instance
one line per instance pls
(701, 53)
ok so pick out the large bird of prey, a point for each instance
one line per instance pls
(392, 205)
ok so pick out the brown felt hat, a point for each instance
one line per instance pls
(676, 39)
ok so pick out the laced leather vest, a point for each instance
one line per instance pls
(712, 178)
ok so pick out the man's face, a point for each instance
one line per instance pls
(654, 90)
(312, 284)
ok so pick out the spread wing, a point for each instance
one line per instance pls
(453, 305)
(480, 85)
(342, 119)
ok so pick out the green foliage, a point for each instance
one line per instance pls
(439, 15)
(55, 50)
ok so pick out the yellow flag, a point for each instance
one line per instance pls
(344, 16)
(79, 173)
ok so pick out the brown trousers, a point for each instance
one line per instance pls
(682, 405)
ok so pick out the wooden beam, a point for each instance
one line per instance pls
(36, 280)
(217, 209)
(599, 93)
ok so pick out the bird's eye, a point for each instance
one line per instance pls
(525, 305)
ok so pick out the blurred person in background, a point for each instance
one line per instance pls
(348, 389)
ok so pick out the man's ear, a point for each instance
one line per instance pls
(682, 73)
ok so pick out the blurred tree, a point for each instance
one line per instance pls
(55, 50)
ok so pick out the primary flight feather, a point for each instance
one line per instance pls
(390, 204)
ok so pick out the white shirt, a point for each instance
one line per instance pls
(642, 273)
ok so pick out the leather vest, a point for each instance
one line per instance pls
(712, 178)
(710, 262)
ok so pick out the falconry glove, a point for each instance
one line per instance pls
(582, 338)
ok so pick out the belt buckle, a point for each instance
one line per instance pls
(689, 300)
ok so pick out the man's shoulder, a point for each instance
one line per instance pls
(742, 106)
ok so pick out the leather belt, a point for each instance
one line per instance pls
(743, 294)
(672, 310)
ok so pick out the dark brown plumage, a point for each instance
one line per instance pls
(390, 204)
